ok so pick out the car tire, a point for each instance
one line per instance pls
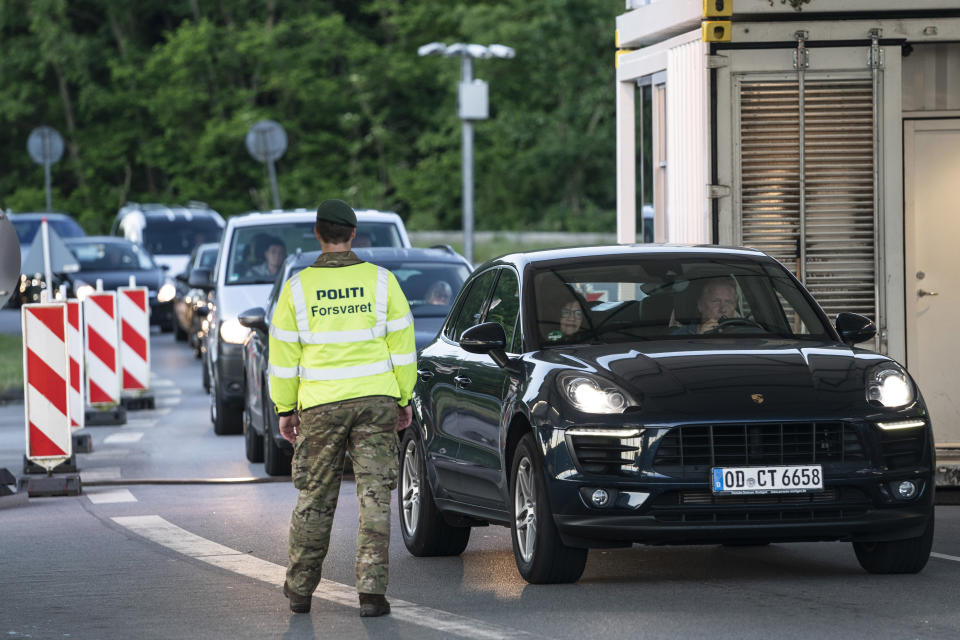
(227, 419)
(898, 556)
(253, 441)
(424, 530)
(540, 554)
(276, 461)
(178, 333)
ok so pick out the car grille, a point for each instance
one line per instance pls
(834, 503)
(693, 448)
(902, 447)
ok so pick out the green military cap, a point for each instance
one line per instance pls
(337, 211)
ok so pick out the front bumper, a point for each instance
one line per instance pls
(652, 501)
(229, 371)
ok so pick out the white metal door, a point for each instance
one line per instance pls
(932, 228)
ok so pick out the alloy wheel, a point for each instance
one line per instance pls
(525, 509)
(410, 488)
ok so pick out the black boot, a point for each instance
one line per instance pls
(372, 605)
(298, 603)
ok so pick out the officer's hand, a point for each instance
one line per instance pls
(404, 416)
(290, 427)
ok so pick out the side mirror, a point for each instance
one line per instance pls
(200, 279)
(202, 312)
(488, 338)
(855, 328)
(165, 267)
(254, 318)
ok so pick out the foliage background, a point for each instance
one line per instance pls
(154, 98)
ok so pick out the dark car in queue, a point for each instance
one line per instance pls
(635, 428)
(113, 260)
(421, 273)
(27, 225)
(190, 303)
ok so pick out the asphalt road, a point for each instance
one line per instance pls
(206, 560)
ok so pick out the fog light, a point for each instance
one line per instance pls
(600, 498)
(906, 489)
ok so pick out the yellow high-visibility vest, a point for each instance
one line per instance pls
(339, 333)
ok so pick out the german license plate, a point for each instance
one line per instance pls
(776, 479)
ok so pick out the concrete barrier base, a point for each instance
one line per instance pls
(138, 403)
(51, 486)
(105, 418)
(82, 443)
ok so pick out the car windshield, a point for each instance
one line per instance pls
(64, 227)
(111, 256)
(162, 236)
(670, 297)
(429, 287)
(257, 252)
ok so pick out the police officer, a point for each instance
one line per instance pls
(342, 368)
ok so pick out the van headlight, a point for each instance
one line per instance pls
(889, 385)
(167, 292)
(593, 395)
(233, 332)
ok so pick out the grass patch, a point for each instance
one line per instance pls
(11, 362)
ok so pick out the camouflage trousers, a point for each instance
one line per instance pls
(366, 427)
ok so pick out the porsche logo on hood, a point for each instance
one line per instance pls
(757, 398)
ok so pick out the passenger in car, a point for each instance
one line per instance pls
(570, 318)
(717, 302)
(274, 252)
(439, 292)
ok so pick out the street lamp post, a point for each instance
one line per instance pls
(473, 104)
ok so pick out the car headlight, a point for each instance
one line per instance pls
(889, 385)
(83, 290)
(233, 332)
(592, 395)
(167, 292)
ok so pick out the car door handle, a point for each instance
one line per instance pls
(424, 375)
(921, 293)
(461, 381)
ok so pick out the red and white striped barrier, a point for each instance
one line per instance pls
(46, 371)
(75, 351)
(134, 338)
(102, 356)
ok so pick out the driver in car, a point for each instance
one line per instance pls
(717, 302)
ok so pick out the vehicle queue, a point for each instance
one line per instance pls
(590, 397)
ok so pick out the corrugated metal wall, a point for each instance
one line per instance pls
(827, 218)
(688, 144)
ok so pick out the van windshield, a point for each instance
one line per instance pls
(179, 237)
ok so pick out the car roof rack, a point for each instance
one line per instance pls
(444, 247)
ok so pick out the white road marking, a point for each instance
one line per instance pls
(944, 556)
(161, 382)
(160, 531)
(168, 391)
(104, 473)
(172, 401)
(101, 496)
(124, 437)
(142, 423)
(111, 452)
